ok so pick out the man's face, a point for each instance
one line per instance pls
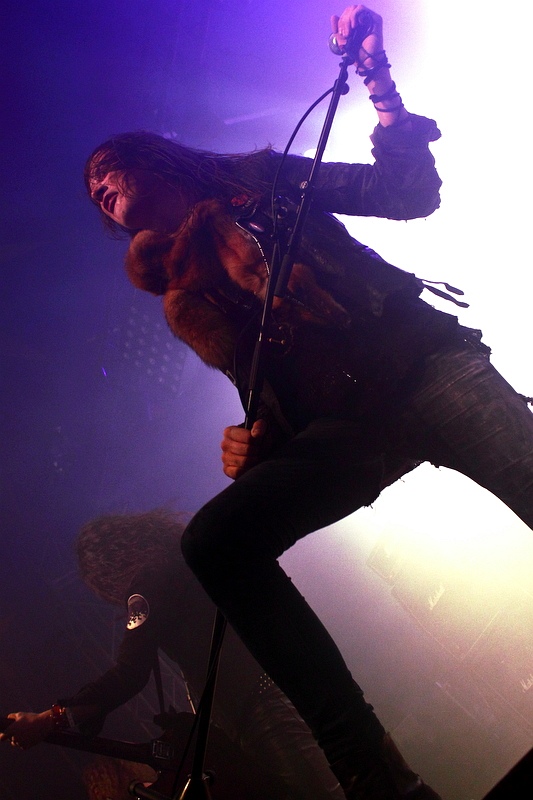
(139, 200)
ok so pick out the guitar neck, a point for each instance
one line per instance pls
(158, 754)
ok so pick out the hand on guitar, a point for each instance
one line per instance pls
(242, 449)
(28, 729)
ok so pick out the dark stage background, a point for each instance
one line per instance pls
(103, 411)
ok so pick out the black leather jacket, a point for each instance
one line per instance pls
(320, 370)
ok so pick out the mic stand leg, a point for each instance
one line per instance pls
(195, 790)
(197, 786)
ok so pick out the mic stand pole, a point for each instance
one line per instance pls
(282, 265)
(197, 788)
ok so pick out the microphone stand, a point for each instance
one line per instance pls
(281, 265)
(197, 786)
(280, 270)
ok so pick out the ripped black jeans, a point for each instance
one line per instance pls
(460, 414)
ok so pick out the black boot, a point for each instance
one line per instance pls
(381, 774)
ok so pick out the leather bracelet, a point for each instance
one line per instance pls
(389, 110)
(370, 73)
(391, 92)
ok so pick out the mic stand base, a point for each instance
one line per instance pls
(197, 790)
(193, 790)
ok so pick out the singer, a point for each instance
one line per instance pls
(364, 379)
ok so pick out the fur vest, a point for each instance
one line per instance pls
(351, 326)
(213, 275)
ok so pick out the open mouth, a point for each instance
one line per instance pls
(109, 202)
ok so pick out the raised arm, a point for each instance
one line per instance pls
(371, 62)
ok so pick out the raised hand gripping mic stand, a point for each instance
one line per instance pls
(197, 787)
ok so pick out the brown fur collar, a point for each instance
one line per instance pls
(209, 255)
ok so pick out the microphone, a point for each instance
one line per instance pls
(364, 24)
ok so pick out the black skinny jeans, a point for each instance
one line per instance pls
(462, 414)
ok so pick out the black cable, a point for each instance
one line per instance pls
(285, 154)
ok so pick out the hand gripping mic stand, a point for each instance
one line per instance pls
(197, 787)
